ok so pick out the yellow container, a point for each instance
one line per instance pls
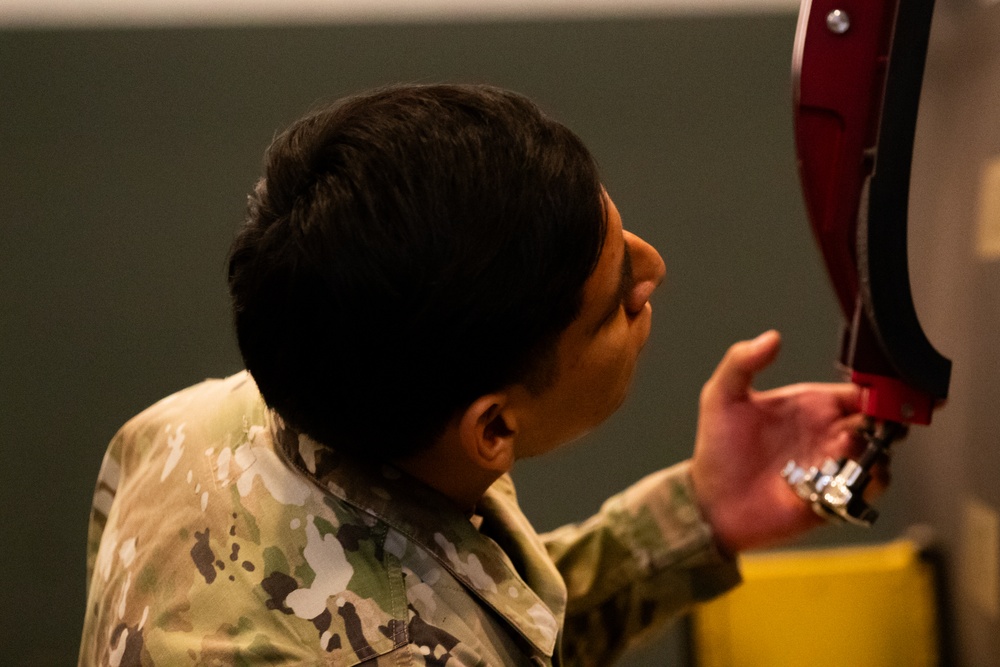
(871, 606)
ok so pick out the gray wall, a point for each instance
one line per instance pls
(956, 462)
(125, 157)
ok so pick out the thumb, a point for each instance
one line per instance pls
(734, 375)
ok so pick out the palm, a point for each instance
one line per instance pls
(745, 437)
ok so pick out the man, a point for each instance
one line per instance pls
(431, 284)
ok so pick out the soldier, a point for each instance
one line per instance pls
(430, 285)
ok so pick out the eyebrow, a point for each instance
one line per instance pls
(625, 283)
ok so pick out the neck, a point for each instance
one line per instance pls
(446, 469)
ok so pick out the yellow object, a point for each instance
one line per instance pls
(844, 607)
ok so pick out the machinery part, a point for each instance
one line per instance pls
(836, 489)
(857, 73)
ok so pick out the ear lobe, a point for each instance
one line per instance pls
(488, 431)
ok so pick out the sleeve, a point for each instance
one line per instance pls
(643, 559)
(104, 495)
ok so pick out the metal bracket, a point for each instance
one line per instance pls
(836, 489)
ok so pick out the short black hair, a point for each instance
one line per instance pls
(407, 251)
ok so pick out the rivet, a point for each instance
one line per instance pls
(838, 21)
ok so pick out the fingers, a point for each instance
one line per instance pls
(854, 424)
(881, 477)
(847, 396)
(733, 377)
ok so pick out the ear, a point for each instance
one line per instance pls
(488, 431)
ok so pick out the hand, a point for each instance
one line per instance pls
(745, 437)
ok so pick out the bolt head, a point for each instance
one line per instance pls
(838, 22)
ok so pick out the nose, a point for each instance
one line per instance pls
(648, 271)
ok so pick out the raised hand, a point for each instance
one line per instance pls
(746, 436)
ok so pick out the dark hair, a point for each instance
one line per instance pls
(407, 251)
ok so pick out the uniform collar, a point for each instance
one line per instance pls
(428, 519)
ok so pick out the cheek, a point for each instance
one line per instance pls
(606, 371)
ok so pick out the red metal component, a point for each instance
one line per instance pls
(838, 81)
(892, 400)
(857, 71)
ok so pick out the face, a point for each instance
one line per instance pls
(597, 354)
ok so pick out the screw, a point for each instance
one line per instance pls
(838, 21)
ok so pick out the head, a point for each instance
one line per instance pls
(408, 251)
(595, 357)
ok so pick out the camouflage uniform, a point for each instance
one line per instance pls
(220, 537)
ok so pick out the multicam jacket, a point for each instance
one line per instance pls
(220, 537)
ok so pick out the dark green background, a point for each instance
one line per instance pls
(125, 158)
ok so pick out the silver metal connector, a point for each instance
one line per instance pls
(836, 489)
